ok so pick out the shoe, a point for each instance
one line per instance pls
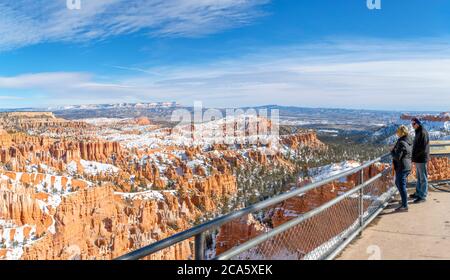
(402, 209)
(419, 200)
(414, 195)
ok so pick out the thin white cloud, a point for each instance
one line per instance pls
(390, 75)
(43, 80)
(27, 22)
(9, 97)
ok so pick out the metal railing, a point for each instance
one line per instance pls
(440, 148)
(199, 232)
(320, 233)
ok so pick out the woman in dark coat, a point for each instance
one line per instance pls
(401, 154)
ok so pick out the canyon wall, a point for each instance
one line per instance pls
(17, 148)
(305, 139)
(94, 222)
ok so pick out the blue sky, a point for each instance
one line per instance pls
(315, 53)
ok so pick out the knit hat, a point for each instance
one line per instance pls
(417, 121)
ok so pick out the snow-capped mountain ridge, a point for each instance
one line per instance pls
(150, 105)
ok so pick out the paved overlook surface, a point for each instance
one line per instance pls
(423, 233)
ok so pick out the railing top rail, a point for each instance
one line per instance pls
(440, 148)
(215, 223)
(439, 145)
(440, 142)
(440, 155)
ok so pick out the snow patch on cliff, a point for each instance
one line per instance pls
(13, 238)
(91, 168)
(147, 195)
(324, 172)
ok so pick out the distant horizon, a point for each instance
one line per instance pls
(48, 108)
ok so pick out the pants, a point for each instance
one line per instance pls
(400, 182)
(422, 180)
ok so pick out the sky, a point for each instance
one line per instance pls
(226, 53)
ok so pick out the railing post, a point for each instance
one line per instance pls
(361, 199)
(200, 246)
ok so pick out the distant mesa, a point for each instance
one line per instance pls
(443, 117)
(35, 115)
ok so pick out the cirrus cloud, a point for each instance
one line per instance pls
(28, 22)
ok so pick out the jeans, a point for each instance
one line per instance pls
(400, 182)
(422, 180)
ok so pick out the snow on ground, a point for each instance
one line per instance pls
(324, 172)
(437, 126)
(331, 131)
(72, 167)
(55, 192)
(93, 167)
(197, 162)
(15, 245)
(147, 195)
(36, 168)
(101, 121)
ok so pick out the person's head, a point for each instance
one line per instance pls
(416, 123)
(402, 131)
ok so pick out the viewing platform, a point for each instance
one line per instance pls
(423, 233)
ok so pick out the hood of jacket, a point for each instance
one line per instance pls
(408, 140)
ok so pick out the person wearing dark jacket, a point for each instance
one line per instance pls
(402, 154)
(421, 156)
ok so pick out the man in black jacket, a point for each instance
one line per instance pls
(421, 156)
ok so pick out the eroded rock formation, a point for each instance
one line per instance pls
(302, 139)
